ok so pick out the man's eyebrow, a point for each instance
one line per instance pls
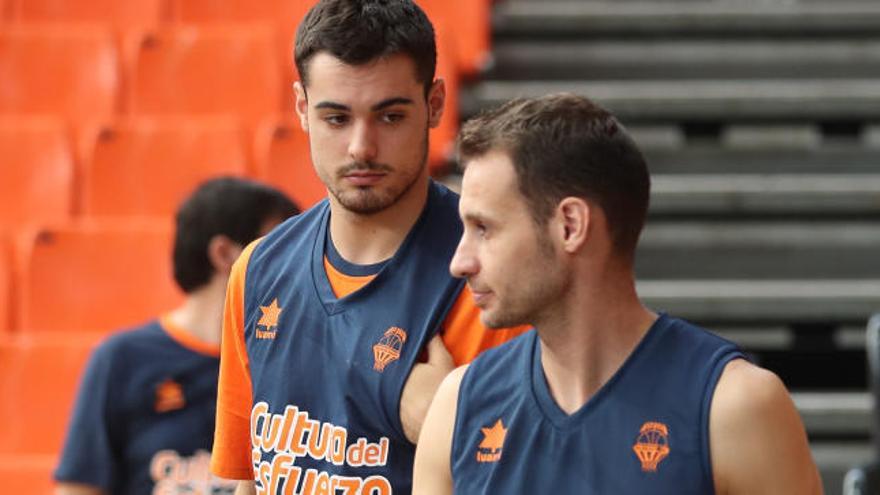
(390, 102)
(332, 106)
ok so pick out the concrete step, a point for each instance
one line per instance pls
(762, 195)
(685, 18)
(685, 59)
(759, 252)
(764, 301)
(714, 158)
(717, 100)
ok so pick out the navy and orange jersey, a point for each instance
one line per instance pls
(315, 359)
(144, 416)
(645, 431)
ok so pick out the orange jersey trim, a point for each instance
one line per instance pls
(464, 334)
(343, 284)
(188, 340)
(231, 456)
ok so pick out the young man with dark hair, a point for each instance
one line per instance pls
(321, 388)
(605, 396)
(143, 421)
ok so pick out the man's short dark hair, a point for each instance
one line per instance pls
(361, 31)
(566, 145)
(235, 208)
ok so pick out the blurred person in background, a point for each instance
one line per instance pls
(144, 417)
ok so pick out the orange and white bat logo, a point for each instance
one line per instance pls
(652, 445)
(387, 350)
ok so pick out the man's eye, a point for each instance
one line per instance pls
(391, 118)
(336, 119)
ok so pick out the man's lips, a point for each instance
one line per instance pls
(481, 297)
(364, 178)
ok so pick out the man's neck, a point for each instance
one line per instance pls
(586, 341)
(201, 314)
(368, 239)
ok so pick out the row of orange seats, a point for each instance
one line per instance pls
(89, 73)
(140, 166)
(471, 18)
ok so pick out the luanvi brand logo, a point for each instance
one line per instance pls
(489, 449)
(269, 320)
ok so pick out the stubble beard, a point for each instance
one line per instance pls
(369, 200)
(532, 297)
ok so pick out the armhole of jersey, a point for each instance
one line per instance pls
(464, 334)
(459, 419)
(722, 359)
(231, 452)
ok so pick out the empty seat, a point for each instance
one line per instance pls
(5, 283)
(282, 159)
(94, 276)
(27, 474)
(36, 173)
(72, 71)
(466, 24)
(285, 15)
(122, 15)
(207, 69)
(38, 381)
(147, 166)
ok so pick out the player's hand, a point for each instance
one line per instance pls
(421, 385)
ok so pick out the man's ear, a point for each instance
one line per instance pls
(436, 102)
(301, 105)
(222, 253)
(573, 215)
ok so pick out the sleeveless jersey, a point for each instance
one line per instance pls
(144, 417)
(327, 373)
(645, 431)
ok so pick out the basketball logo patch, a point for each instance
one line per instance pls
(387, 350)
(652, 445)
(169, 397)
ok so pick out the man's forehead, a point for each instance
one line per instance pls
(489, 178)
(379, 79)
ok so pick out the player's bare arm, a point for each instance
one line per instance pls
(246, 488)
(757, 439)
(432, 474)
(421, 385)
(77, 489)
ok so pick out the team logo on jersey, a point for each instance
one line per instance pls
(169, 396)
(489, 449)
(387, 350)
(269, 320)
(652, 445)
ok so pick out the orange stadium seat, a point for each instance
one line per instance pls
(39, 374)
(5, 283)
(122, 15)
(94, 276)
(31, 474)
(147, 166)
(36, 173)
(71, 71)
(282, 159)
(206, 69)
(467, 25)
(285, 15)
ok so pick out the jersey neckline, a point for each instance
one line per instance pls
(187, 340)
(332, 304)
(547, 404)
